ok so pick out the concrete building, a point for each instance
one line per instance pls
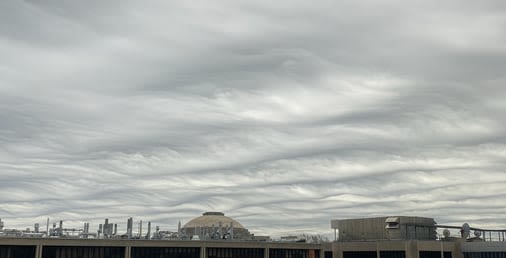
(385, 228)
(410, 237)
(214, 226)
(365, 238)
(107, 248)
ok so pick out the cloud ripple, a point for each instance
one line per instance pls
(282, 115)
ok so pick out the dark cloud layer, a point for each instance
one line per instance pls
(283, 115)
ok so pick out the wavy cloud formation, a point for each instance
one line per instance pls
(282, 115)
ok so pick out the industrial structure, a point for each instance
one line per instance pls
(214, 235)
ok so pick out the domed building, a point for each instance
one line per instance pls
(215, 225)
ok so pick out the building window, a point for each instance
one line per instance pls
(393, 254)
(18, 251)
(358, 254)
(235, 252)
(82, 252)
(165, 252)
(434, 254)
(485, 255)
(294, 253)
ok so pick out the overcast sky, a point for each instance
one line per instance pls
(282, 114)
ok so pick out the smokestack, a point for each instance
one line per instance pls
(86, 229)
(60, 230)
(129, 227)
(140, 229)
(106, 228)
(148, 235)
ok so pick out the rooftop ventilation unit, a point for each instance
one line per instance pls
(392, 223)
(465, 231)
(446, 233)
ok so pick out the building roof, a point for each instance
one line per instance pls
(212, 219)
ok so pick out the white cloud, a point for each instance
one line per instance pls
(282, 115)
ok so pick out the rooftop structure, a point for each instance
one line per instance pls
(215, 226)
(390, 237)
(385, 228)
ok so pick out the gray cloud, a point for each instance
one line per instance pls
(283, 115)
